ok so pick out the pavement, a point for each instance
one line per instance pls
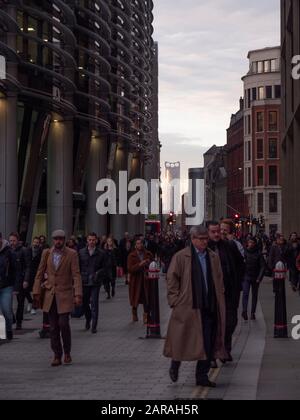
(120, 364)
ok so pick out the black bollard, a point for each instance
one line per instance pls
(280, 324)
(153, 324)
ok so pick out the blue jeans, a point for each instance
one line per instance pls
(6, 306)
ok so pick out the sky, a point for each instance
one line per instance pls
(203, 48)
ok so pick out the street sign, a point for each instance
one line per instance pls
(2, 67)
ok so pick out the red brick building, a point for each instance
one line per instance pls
(236, 199)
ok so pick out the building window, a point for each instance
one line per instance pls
(273, 202)
(273, 175)
(249, 177)
(277, 91)
(261, 93)
(249, 124)
(267, 66)
(254, 94)
(259, 149)
(260, 176)
(260, 203)
(260, 67)
(260, 122)
(273, 121)
(269, 92)
(273, 66)
(273, 149)
(249, 98)
(248, 151)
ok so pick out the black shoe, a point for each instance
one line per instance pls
(253, 317)
(88, 325)
(228, 360)
(44, 334)
(206, 383)
(113, 293)
(214, 365)
(174, 374)
(9, 336)
(19, 327)
(94, 331)
(108, 297)
(245, 316)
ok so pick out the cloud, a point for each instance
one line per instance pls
(203, 47)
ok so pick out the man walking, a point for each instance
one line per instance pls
(58, 278)
(34, 255)
(7, 284)
(92, 263)
(21, 268)
(196, 294)
(233, 268)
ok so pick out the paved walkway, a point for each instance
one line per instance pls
(119, 364)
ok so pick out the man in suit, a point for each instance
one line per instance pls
(59, 278)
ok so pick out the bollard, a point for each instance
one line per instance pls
(2, 328)
(280, 324)
(153, 324)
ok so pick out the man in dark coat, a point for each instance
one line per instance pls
(92, 269)
(233, 268)
(21, 263)
(7, 285)
(34, 255)
(138, 264)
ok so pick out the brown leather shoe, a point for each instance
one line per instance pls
(145, 319)
(135, 315)
(68, 359)
(56, 362)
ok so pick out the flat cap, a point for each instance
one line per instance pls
(59, 234)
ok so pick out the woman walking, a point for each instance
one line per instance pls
(111, 263)
(254, 274)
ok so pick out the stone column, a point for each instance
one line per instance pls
(8, 165)
(119, 222)
(60, 175)
(97, 169)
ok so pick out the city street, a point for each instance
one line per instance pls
(118, 364)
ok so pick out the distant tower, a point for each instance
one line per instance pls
(173, 171)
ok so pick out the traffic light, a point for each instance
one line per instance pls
(171, 219)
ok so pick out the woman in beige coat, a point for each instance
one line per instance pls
(196, 294)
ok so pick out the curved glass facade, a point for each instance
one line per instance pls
(80, 74)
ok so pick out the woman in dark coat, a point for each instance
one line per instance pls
(254, 274)
(111, 262)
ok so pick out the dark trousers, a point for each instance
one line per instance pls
(91, 304)
(110, 286)
(22, 295)
(59, 331)
(209, 338)
(294, 277)
(250, 284)
(232, 307)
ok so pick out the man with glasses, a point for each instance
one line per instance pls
(58, 279)
(196, 294)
